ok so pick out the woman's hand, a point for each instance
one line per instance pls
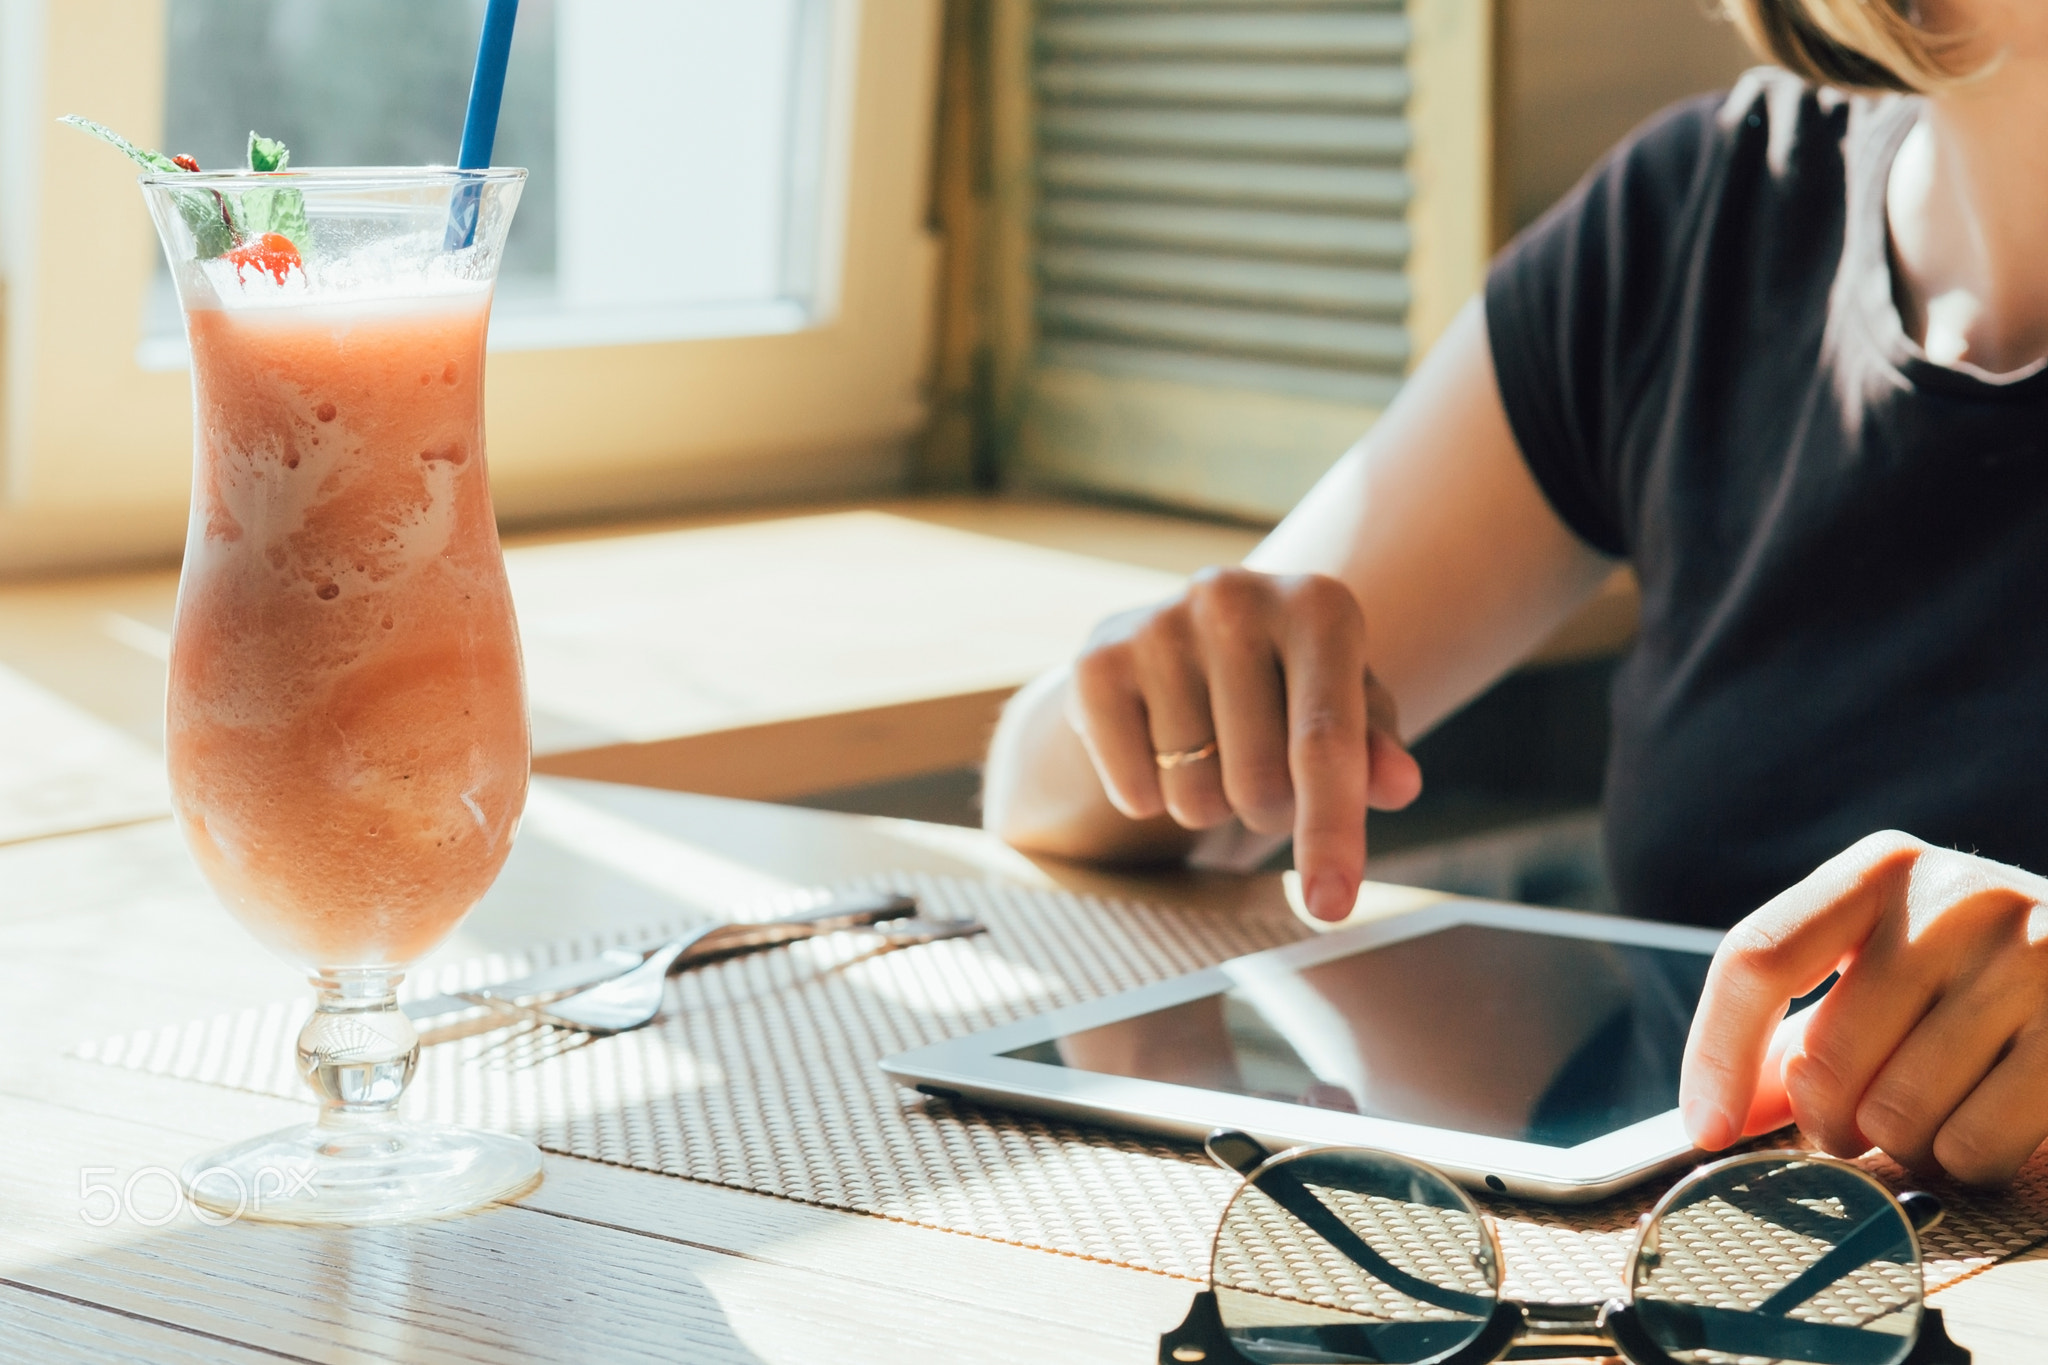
(1258, 684)
(1933, 1045)
(1435, 521)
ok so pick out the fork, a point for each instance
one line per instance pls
(847, 910)
(634, 1000)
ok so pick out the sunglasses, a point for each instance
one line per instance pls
(1346, 1256)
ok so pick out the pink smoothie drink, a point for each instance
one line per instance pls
(347, 727)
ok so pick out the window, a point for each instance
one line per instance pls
(362, 83)
(676, 147)
(773, 340)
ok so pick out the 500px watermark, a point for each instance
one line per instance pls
(153, 1196)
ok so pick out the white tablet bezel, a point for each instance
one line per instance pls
(974, 1067)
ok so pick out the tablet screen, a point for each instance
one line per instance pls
(1500, 1032)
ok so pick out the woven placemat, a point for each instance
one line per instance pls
(762, 1076)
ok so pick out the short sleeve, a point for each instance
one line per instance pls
(1580, 311)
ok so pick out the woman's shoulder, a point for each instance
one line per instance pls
(1770, 121)
(1771, 127)
(1716, 208)
(1760, 169)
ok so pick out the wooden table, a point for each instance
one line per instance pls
(768, 654)
(112, 930)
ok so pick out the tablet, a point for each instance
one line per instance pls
(1523, 1051)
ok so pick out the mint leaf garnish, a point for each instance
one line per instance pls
(148, 160)
(218, 225)
(267, 153)
(205, 212)
(283, 210)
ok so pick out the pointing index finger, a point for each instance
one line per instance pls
(1323, 658)
(1779, 952)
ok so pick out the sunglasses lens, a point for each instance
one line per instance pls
(1347, 1256)
(1774, 1259)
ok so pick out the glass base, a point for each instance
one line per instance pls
(378, 1172)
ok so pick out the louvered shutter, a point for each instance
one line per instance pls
(1222, 242)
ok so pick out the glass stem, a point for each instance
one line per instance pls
(358, 1051)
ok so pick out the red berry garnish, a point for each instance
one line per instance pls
(272, 253)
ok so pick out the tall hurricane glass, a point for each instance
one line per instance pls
(346, 727)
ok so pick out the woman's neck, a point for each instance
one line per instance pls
(1968, 207)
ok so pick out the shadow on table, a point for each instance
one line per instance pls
(597, 857)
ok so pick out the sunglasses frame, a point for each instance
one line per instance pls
(1532, 1331)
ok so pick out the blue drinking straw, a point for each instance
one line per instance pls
(480, 124)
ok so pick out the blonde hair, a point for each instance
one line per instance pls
(1855, 44)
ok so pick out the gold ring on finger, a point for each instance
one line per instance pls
(1177, 758)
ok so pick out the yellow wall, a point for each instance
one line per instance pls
(1577, 75)
(97, 450)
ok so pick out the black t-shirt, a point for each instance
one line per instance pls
(1843, 546)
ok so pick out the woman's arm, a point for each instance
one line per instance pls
(1450, 555)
